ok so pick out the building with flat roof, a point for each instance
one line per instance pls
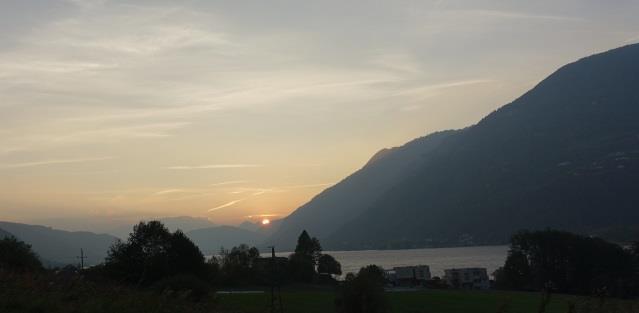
(467, 278)
(408, 275)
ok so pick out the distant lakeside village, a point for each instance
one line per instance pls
(419, 276)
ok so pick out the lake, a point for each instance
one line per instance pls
(490, 257)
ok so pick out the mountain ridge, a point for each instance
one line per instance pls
(517, 164)
(61, 247)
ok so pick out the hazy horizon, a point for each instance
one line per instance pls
(114, 111)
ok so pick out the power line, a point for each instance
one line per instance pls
(81, 257)
(276, 300)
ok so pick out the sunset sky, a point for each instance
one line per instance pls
(231, 110)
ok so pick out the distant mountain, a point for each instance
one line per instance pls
(211, 239)
(263, 230)
(185, 223)
(267, 230)
(563, 155)
(325, 213)
(250, 226)
(4, 234)
(59, 246)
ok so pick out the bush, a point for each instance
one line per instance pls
(328, 265)
(363, 293)
(183, 286)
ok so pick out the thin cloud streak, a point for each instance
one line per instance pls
(226, 205)
(430, 90)
(231, 182)
(519, 15)
(309, 186)
(52, 162)
(213, 166)
(263, 215)
(632, 40)
(168, 191)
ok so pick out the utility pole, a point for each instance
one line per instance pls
(81, 257)
(276, 305)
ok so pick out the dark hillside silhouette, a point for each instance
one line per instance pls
(563, 155)
(4, 234)
(333, 207)
(58, 247)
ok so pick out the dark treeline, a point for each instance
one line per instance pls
(563, 262)
(156, 263)
(152, 265)
(153, 256)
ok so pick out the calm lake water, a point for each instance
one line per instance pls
(490, 257)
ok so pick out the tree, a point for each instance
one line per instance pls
(301, 267)
(308, 246)
(328, 265)
(16, 255)
(237, 265)
(152, 253)
(184, 256)
(515, 274)
(363, 293)
(307, 253)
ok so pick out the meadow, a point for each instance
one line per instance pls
(422, 301)
(41, 295)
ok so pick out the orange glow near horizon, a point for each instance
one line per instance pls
(266, 221)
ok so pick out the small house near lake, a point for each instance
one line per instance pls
(467, 278)
(408, 275)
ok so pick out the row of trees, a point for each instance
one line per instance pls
(563, 262)
(153, 253)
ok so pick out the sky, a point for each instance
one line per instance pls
(113, 111)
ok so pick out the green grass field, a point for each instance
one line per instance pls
(41, 295)
(431, 301)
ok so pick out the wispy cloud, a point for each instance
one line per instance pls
(429, 90)
(261, 191)
(308, 186)
(631, 40)
(170, 191)
(231, 182)
(521, 15)
(213, 166)
(263, 215)
(226, 205)
(52, 162)
(88, 134)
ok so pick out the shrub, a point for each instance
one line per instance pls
(363, 293)
(183, 286)
(328, 265)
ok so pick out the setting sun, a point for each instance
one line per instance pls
(266, 221)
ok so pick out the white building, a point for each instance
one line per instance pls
(467, 278)
(408, 275)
